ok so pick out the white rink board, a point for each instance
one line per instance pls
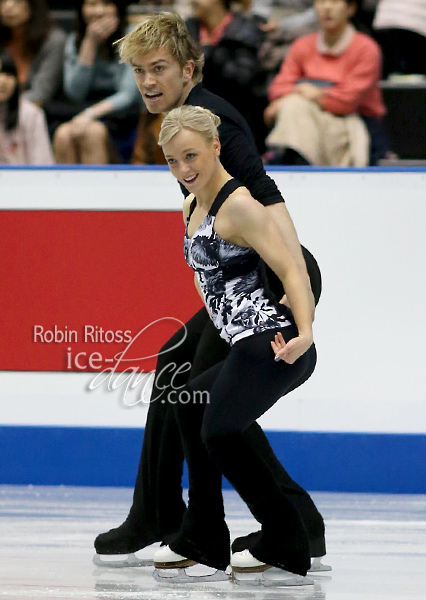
(366, 229)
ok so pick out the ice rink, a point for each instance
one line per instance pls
(376, 546)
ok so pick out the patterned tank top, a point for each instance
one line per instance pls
(231, 279)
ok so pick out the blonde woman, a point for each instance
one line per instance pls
(167, 66)
(272, 353)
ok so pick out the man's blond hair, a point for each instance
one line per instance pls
(163, 30)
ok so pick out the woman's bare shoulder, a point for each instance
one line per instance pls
(241, 201)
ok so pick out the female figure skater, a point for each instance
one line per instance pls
(24, 139)
(106, 101)
(168, 71)
(272, 353)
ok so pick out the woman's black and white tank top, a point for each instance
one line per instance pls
(230, 278)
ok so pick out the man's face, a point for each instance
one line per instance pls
(163, 83)
(333, 15)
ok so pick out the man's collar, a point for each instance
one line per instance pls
(340, 46)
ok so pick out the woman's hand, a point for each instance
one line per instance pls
(99, 30)
(80, 123)
(290, 351)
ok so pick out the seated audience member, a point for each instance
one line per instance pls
(23, 131)
(105, 97)
(231, 43)
(401, 31)
(36, 46)
(283, 22)
(326, 105)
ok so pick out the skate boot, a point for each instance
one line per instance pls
(247, 570)
(317, 548)
(118, 547)
(171, 567)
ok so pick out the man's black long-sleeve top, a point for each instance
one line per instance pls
(239, 154)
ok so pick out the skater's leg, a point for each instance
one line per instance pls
(196, 531)
(157, 506)
(204, 536)
(284, 542)
(312, 518)
(195, 540)
(211, 349)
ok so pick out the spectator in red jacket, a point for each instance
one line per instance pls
(325, 103)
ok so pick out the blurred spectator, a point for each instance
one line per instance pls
(325, 102)
(27, 33)
(106, 100)
(284, 15)
(401, 32)
(231, 43)
(23, 132)
(146, 150)
(284, 21)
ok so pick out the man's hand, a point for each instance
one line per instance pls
(285, 302)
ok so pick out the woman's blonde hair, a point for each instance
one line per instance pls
(196, 118)
(163, 30)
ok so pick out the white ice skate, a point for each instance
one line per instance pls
(120, 561)
(174, 568)
(318, 567)
(247, 570)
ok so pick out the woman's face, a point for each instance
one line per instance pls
(333, 15)
(14, 13)
(192, 159)
(8, 85)
(96, 9)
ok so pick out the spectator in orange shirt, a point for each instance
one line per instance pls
(326, 105)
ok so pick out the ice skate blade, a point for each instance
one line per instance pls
(121, 561)
(318, 567)
(178, 564)
(180, 575)
(268, 576)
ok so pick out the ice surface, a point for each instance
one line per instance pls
(376, 545)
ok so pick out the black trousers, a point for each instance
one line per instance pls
(214, 417)
(158, 510)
